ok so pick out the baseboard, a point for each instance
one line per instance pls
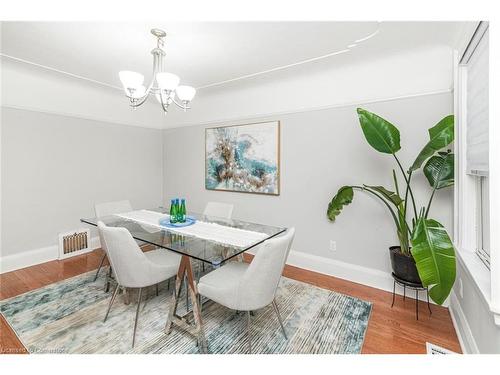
(347, 271)
(28, 258)
(37, 256)
(352, 272)
(464, 333)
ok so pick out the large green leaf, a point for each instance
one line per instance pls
(380, 133)
(434, 255)
(439, 170)
(389, 195)
(440, 135)
(342, 198)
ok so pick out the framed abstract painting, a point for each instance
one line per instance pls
(243, 158)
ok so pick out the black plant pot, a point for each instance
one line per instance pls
(403, 265)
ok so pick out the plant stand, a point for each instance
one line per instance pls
(415, 286)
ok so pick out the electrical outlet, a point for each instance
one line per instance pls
(333, 245)
(460, 288)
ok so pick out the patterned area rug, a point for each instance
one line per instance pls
(67, 317)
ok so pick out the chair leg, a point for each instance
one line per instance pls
(126, 296)
(108, 279)
(249, 333)
(187, 293)
(115, 292)
(137, 315)
(275, 305)
(100, 266)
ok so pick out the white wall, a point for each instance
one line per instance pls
(320, 151)
(55, 168)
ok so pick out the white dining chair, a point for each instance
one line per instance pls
(107, 209)
(215, 210)
(218, 209)
(134, 268)
(250, 286)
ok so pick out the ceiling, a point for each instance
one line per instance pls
(208, 54)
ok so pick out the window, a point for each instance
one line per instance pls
(474, 175)
(478, 108)
(475, 63)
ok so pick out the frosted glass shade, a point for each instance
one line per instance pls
(167, 81)
(186, 93)
(131, 80)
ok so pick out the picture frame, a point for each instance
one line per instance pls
(244, 158)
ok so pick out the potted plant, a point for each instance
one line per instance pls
(425, 252)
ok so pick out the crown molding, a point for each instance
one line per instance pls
(79, 116)
(27, 62)
(309, 109)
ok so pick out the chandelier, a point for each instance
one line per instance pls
(164, 86)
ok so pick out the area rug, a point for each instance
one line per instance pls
(67, 317)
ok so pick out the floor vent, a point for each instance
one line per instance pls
(74, 243)
(435, 349)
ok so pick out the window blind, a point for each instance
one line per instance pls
(478, 108)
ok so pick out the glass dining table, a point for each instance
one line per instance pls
(202, 247)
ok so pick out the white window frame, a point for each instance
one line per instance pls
(482, 219)
(465, 204)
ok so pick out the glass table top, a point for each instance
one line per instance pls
(194, 247)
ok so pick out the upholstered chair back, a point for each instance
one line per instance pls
(259, 284)
(217, 209)
(130, 266)
(110, 208)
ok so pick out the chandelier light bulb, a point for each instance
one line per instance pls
(167, 81)
(186, 93)
(131, 80)
(138, 92)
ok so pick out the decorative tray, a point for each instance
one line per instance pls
(165, 222)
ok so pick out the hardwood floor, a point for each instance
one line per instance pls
(390, 330)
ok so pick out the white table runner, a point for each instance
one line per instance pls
(201, 229)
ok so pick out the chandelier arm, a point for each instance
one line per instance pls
(157, 67)
(172, 100)
(141, 100)
(135, 104)
(165, 107)
(180, 105)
